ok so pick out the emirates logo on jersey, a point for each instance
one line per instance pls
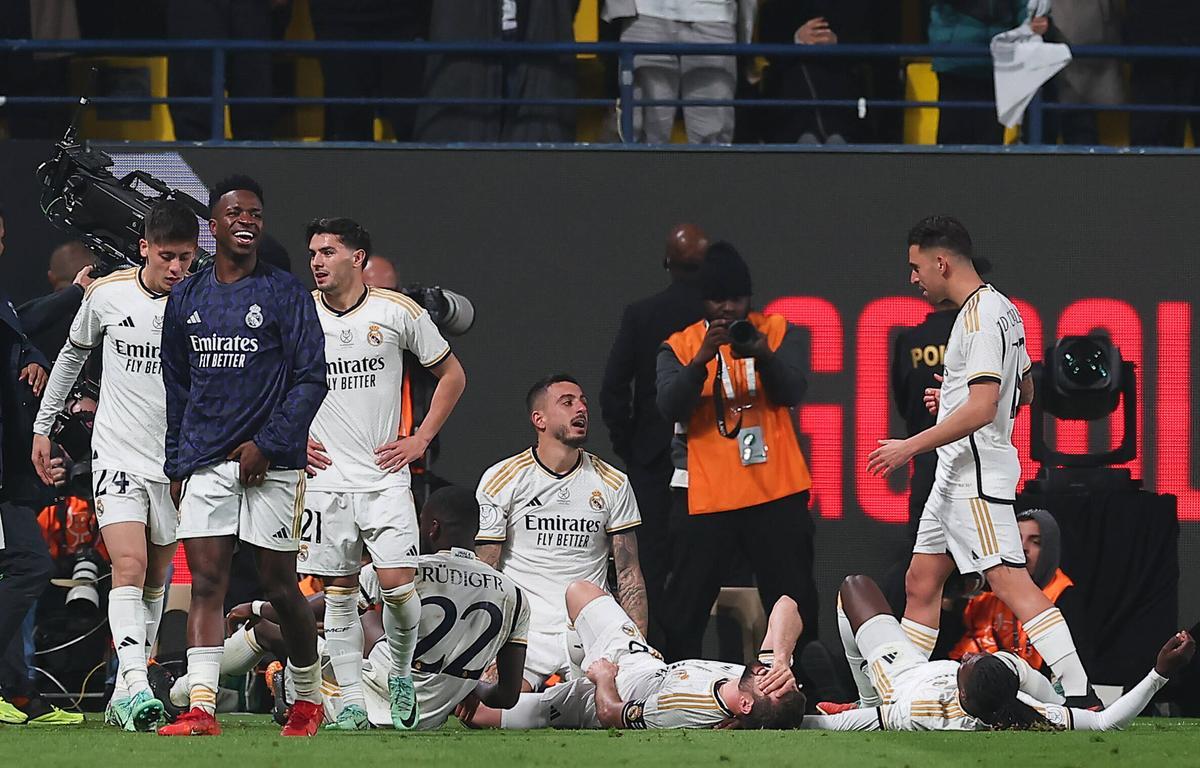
(374, 335)
(597, 501)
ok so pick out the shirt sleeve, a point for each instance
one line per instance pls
(87, 329)
(1026, 363)
(287, 429)
(983, 351)
(85, 335)
(654, 712)
(177, 377)
(865, 719)
(624, 513)
(424, 339)
(1114, 718)
(493, 515)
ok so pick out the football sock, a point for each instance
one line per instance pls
(152, 602)
(344, 642)
(126, 619)
(867, 695)
(401, 615)
(528, 714)
(241, 653)
(307, 681)
(204, 672)
(1049, 633)
(923, 637)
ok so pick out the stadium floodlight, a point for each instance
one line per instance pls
(1085, 379)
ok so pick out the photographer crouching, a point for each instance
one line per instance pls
(730, 382)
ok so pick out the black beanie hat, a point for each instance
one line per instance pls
(724, 275)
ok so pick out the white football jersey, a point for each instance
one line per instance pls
(122, 313)
(681, 695)
(925, 698)
(364, 370)
(554, 528)
(987, 343)
(469, 611)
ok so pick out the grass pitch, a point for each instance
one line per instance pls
(254, 740)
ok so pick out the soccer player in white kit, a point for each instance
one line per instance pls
(969, 520)
(628, 684)
(982, 692)
(551, 515)
(359, 492)
(124, 312)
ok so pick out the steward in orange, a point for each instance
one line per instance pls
(730, 383)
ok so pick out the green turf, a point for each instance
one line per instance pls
(255, 741)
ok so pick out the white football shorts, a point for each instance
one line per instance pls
(215, 503)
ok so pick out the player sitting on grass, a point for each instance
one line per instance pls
(630, 686)
(982, 692)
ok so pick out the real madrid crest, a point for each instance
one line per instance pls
(254, 316)
(302, 554)
(374, 335)
(597, 501)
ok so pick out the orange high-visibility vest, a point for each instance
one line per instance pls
(992, 626)
(717, 480)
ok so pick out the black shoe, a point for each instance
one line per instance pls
(1089, 701)
(279, 710)
(161, 680)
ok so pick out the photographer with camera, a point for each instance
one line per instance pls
(122, 313)
(730, 382)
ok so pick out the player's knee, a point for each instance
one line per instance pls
(1007, 580)
(920, 586)
(390, 578)
(128, 570)
(579, 594)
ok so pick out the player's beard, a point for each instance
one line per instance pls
(570, 441)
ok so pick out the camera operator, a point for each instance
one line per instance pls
(731, 381)
(25, 565)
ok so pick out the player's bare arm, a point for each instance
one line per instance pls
(1026, 387)
(783, 632)
(452, 380)
(980, 410)
(504, 692)
(631, 585)
(489, 553)
(603, 674)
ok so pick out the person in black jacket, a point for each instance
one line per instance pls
(639, 433)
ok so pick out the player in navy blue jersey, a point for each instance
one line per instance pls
(244, 369)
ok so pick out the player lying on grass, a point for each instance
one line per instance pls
(628, 685)
(980, 692)
(470, 615)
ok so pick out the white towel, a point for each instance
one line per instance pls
(1022, 63)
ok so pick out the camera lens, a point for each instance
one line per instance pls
(742, 332)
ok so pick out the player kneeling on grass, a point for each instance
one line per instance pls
(628, 685)
(124, 313)
(980, 692)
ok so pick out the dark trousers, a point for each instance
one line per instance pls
(1163, 82)
(775, 538)
(25, 570)
(651, 486)
(967, 126)
(247, 74)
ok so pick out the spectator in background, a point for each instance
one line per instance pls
(380, 272)
(362, 74)
(809, 22)
(65, 263)
(639, 433)
(37, 74)
(47, 319)
(972, 22)
(664, 77)
(1087, 81)
(1163, 81)
(747, 481)
(494, 77)
(248, 75)
(990, 625)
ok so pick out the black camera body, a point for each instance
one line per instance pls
(742, 335)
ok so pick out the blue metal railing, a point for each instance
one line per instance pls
(624, 53)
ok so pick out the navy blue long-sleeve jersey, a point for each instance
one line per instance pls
(243, 361)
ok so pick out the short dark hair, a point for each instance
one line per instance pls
(349, 231)
(991, 690)
(784, 713)
(457, 509)
(942, 232)
(170, 221)
(237, 181)
(541, 385)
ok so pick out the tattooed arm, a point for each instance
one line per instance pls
(631, 587)
(489, 552)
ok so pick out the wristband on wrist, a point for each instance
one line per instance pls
(256, 607)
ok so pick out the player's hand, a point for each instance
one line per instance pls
(716, 337)
(176, 493)
(933, 396)
(815, 32)
(398, 454)
(58, 472)
(317, 458)
(41, 458)
(83, 278)
(1176, 654)
(252, 463)
(888, 457)
(239, 615)
(777, 679)
(36, 375)
(465, 711)
(601, 669)
(1039, 25)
